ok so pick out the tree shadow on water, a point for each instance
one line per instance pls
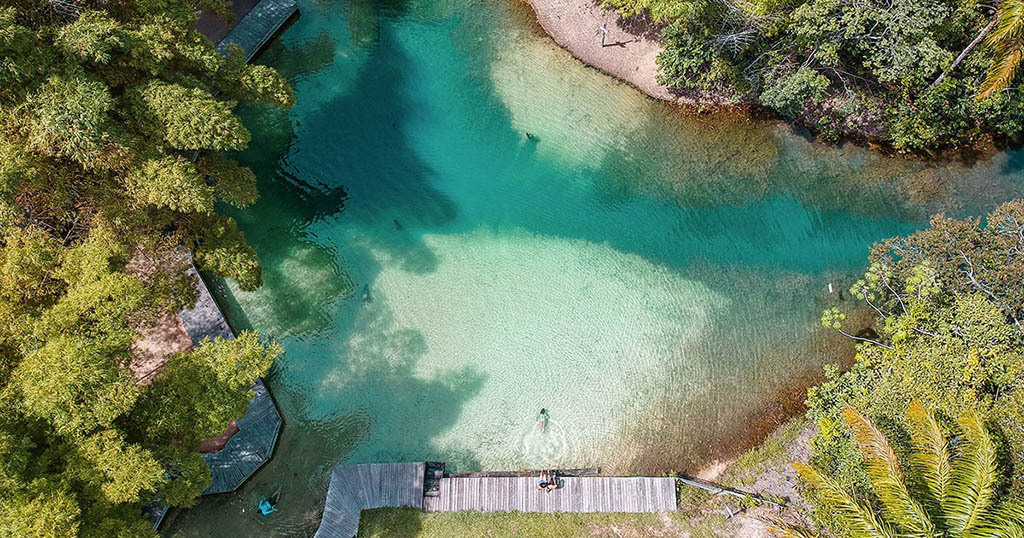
(357, 397)
(359, 138)
(352, 155)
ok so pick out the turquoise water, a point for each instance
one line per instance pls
(437, 277)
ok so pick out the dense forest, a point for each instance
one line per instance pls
(114, 122)
(912, 75)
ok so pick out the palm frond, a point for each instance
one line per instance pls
(1007, 40)
(972, 490)
(887, 478)
(1011, 23)
(1001, 74)
(1007, 521)
(930, 457)
(860, 520)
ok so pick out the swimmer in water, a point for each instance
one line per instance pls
(542, 417)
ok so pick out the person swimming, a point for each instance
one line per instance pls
(542, 417)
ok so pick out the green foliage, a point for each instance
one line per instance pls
(221, 247)
(78, 433)
(938, 494)
(199, 393)
(59, 383)
(948, 301)
(173, 183)
(189, 118)
(788, 94)
(868, 69)
(53, 515)
(659, 10)
(111, 102)
(101, 113)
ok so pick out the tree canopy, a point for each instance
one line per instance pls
(114, 122)
(914, 75)
(947, 333)
(123, 112)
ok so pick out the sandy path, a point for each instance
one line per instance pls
(628, 52)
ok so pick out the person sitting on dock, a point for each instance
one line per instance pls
(552, 482)
(548, 481)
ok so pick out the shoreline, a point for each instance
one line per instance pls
(628, 52)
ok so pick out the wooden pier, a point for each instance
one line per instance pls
(258, 26)
(576, 494)
(253, 445)
(354, 488)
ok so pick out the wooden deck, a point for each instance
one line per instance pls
(577, 494)
(355, 488)
(204, 320)
(258, 26)
(248, 449)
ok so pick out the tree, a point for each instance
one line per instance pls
(946, 333)
(895, 72)
(78, 434)
(114, 122)
(948, 487)
(108, 100)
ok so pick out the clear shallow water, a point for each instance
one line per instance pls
(436, 277)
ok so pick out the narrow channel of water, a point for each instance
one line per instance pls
(461, 225)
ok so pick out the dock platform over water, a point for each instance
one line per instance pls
(576, 494)
(354, 488)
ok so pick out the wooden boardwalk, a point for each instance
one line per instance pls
(258, 26)
(577, 494)
(355, 488)
(204, 320)
(253, 444)
(248, 449)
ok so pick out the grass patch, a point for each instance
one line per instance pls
(412, 523)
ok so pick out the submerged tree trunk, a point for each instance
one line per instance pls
(952, 66)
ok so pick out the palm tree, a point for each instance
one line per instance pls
(952, 493)
(1007, 40)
